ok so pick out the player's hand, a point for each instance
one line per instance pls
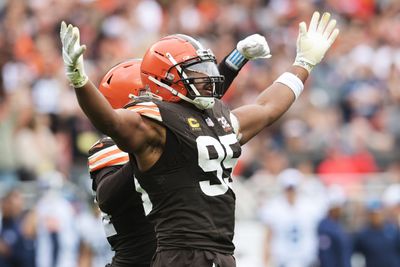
(314, 43)
(253, 47)
(72, 53)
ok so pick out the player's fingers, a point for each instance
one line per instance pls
(302, 28)
(78, 52)
(333, 36)
(266, 54)
(63, 29)
(77, 34)
(329, 28)
(68, 37)
(323, 22)
(249, 45)
(260, 38)
(69, 29)
(314, 21)
(72, 41)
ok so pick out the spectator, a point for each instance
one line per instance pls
(287, 227)
(8, 123)
(28, 225)
(334, 242)
(391, 200)
(43, 147)
(11, 239)
(379, 240)
(57, 237)
(94, 249)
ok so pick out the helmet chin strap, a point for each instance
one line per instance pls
(200, 102)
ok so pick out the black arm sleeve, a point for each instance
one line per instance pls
(113, 184)
(228, 72)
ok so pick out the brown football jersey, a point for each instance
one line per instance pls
(187, 194)
(128, 231)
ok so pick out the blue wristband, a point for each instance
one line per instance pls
(236, 60)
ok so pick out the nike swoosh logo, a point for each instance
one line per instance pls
(99, 145)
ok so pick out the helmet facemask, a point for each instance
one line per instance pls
(200, 77)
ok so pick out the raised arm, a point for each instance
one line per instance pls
(273, 102)
(250, 48)
(127, 128)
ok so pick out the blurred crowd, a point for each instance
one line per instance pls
(342, 130)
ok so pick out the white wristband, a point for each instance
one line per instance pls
(291, 81)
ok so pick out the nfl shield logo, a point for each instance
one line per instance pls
(209, 122)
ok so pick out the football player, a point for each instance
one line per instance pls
(183, 151)
(129, 232)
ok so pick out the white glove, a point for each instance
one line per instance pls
(253, 47)
(72, 53)
(313, 44)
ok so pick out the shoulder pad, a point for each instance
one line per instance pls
(104, 153)
(100, 145)
(147, 109)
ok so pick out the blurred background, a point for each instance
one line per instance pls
(342, 133)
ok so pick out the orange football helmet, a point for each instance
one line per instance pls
(176, 66)
(121, 81)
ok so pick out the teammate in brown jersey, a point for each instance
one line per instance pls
(168, 157)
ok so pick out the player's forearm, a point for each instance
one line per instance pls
(271, 104)
(229, 70)
(229, 75)
(277, 98)
(96, 108)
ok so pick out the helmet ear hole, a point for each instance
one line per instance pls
(109, 80)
